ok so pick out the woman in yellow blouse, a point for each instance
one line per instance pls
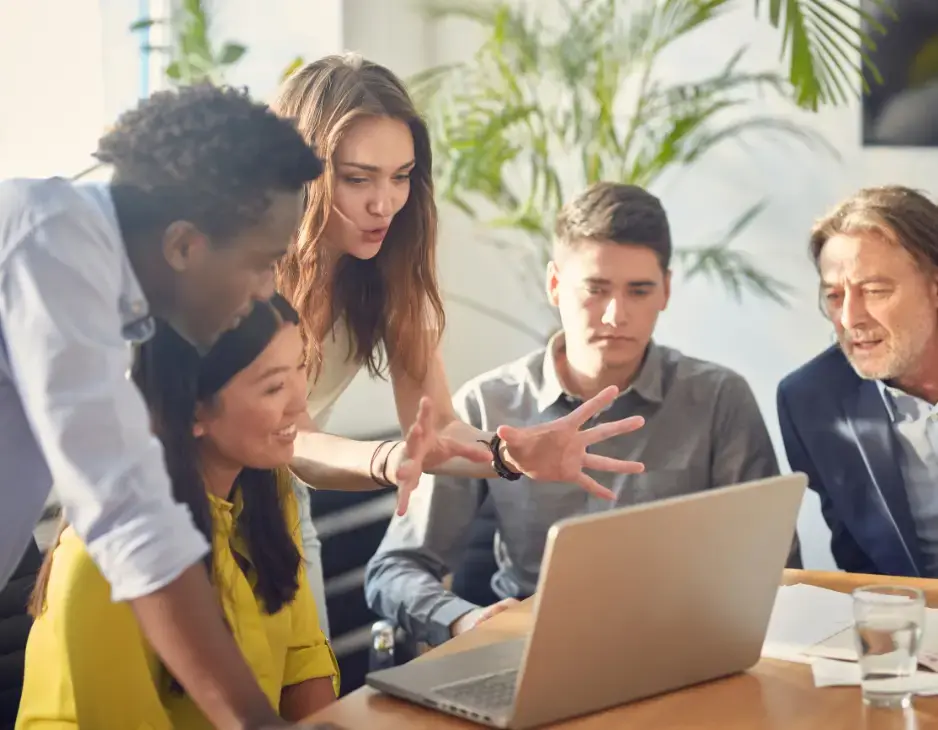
(227, 423)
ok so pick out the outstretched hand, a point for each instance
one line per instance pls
(549, 452)
(556, 451)
(424, 449)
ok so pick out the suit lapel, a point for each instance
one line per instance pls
(878, 468)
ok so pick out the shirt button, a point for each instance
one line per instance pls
(137, 308)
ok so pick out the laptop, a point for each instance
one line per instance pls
(631, 602)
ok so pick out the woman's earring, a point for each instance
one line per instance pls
(198, 431)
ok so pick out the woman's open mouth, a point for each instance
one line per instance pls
(287, 434)
(375, 235)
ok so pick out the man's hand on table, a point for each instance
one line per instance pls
(472, 619)
(464, 623)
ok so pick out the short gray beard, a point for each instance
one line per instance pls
(898, 361)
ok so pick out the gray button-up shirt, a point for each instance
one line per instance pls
(703, 429)
(915, 424)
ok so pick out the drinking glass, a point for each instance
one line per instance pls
(889, 623)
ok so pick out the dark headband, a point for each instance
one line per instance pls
(236, 349)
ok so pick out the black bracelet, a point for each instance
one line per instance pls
(374, 477)
(384, 467)
(498, 464)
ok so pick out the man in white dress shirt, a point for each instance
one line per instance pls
(205, 197)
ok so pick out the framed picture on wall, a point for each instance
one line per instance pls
(903, 110)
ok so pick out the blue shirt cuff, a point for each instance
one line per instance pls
(450, 609)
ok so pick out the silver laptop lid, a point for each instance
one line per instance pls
(646, 599)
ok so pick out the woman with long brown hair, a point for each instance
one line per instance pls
(363, 278)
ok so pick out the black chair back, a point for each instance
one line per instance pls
(14, 630)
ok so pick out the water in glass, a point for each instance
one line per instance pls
(889, 629)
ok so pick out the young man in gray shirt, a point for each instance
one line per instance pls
(609, 279)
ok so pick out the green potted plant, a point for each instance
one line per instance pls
(543, 109)
(822, 40)
(192, 57)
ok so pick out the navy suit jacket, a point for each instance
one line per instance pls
(837, 431)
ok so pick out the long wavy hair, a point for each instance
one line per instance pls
(174, 380)
(393, 299)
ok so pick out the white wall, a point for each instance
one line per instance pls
(51, 86)
(275, 32)
(759, 339)
(68, 68)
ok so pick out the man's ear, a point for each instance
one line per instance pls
(552, 283)
(667, 289)
(184, 246)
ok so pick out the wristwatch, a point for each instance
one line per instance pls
(498, 464)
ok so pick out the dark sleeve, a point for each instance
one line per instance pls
(847, 553)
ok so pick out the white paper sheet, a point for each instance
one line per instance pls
(815, 626)
(843, 647)
(803, 617)
(834, 673)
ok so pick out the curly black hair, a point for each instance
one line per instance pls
(205, 154)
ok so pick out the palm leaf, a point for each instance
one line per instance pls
(482, 12)
(295, 65)
(425, 86)
(731, 268)
(761, 124)
(821, 39)
(144, 24)
(728, 82)
(680, 17)
(497, 314)
(541, 108)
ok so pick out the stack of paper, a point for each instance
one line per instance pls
(803, 617)
(815, 626)
(841, 645)
(834, 673)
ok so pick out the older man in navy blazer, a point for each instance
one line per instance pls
(860, 419)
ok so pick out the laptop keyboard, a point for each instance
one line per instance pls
(488, 692)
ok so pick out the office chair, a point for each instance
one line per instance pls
(14, 630)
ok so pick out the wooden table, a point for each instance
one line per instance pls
(773, 695)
